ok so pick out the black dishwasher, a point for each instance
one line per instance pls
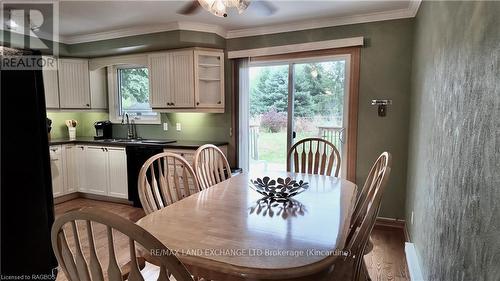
(136, 156)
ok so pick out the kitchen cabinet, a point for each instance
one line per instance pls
(117, 165)
(51, 84)
(56, 169)
(106, 171)
(96, 170)
(74, 84)
(98, 89)
(159, 68)
(187, 80)
(209, 79)
(72, 175)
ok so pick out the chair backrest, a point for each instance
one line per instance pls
(313, 156)
(165, 178)
(73, 256)
(211, 166)
(368, 204)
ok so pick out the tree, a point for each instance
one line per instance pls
(134, 86)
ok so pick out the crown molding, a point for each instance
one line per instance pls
(140, 30)
(409, 12)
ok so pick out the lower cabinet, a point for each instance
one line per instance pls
(57, 171)
(96, 166)
(90, 169)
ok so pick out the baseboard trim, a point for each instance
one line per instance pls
(76, 195)
(390, 222)
(66, 197)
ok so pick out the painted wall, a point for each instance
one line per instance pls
(454, 153)
(85, 127)
(385, 74)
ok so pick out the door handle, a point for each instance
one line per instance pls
(294, 134)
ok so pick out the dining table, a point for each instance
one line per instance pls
(231, 232)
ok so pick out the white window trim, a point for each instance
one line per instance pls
(114, 105)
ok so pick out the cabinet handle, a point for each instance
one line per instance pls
(173, 104)
(219, 102)
(87, 105)
(168, 103)
(197, 103)
(81, 147)
(106, 149)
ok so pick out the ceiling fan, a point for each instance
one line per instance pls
(219, 7)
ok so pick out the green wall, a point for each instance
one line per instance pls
(85, 127)
(454, 153)
(384, 74)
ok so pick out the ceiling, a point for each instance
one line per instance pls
(81, 21)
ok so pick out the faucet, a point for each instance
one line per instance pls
(130, 130)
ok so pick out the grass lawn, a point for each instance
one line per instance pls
(272, 146)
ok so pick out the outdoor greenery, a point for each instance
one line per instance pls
(318, 101)
(134, 88)
(318, 91)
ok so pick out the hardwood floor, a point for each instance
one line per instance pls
(385, 262)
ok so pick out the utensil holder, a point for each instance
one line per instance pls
(72, 133)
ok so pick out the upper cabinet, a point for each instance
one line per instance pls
(74, 84)
(51, 87)
(209, 82)
(187, 80)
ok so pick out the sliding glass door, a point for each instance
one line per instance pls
(292, 100)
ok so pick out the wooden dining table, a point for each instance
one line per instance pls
(230, 232)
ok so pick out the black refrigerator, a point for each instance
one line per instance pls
(27, 210)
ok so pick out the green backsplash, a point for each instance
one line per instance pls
(194, 126)
(85, 127)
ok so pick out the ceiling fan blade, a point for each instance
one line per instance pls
(264, 7)
(190, 8)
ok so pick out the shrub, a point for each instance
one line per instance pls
(273, 120)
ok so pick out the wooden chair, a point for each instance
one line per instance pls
(78, 266)
(165, 178)
(363, 219)
(314, 156)
(211, 166)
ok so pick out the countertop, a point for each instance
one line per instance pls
(176, 144)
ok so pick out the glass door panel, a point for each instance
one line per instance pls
(319, 93)
(268, 117)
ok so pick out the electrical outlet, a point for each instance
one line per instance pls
(178, 126)
(411, 219)
(165, 126)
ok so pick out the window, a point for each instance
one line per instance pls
(131, 87)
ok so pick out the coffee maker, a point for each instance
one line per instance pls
(103, 130)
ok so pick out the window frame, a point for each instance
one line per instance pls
(114, 97)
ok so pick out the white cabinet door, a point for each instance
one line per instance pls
(81, 166)
(56, 168)
(209, 79)
(51, 85)
(117, 161)
(74, 84)
(160, 80)
(98, 89)
(71, 170)
(182, 79)
(96, 170)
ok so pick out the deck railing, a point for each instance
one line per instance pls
(332, 134)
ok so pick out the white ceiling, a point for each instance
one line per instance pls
(81, 21)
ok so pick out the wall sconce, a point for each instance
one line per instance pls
(382, 106)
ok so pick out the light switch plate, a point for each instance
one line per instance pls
(165, 126)
(178, 126)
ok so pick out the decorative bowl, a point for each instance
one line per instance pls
(279, 188)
